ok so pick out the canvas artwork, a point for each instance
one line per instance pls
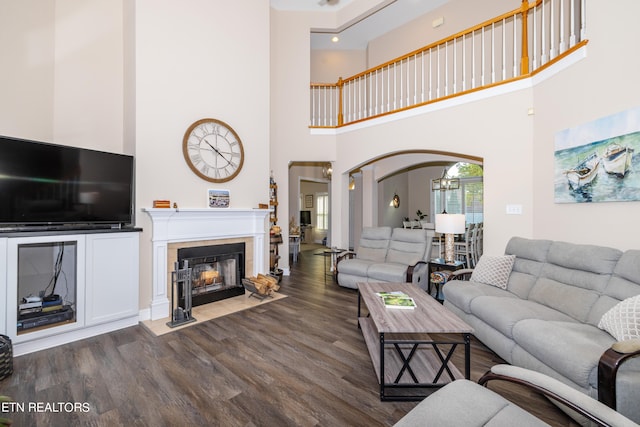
(218, 198)
(598, 161)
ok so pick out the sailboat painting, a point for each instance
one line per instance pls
(598, 161)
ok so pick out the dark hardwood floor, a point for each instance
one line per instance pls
(300, 361)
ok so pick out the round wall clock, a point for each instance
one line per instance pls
(213, 150)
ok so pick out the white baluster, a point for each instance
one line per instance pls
(482, 56)
(552, 40)
(535, 38)
(583, 20)
(493, 53)
(563, 42)
(515, 46)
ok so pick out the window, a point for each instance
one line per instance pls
(468, 199)
(322, 211)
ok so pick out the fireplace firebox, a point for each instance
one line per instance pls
(217, 272)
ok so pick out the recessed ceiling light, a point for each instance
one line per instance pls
(335, 39)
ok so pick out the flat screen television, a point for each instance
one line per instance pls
(305, 217)
(47, 185)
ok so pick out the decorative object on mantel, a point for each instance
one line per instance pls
(213, 150)
(218, 198)
(594, 162)
(161, 204)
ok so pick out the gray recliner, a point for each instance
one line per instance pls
(386, 255)
(465, 403)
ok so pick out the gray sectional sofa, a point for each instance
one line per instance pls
(547, 318)
(386, 255)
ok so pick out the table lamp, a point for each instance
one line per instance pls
(449, 224)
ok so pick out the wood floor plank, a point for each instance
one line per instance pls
(299, 361)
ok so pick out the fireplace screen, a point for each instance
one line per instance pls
(216, 271)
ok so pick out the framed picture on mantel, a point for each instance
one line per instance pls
(218, 198)
(308, 201)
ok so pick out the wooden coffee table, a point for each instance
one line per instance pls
(405, 357)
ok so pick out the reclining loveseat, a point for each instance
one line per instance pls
(386, 255)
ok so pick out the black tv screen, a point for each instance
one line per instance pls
(48, 184)
(305, 217)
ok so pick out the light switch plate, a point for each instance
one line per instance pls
(514, 209)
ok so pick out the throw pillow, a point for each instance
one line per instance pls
(493, 270)
(623, 320)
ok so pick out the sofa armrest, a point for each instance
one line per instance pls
(610, 362)
(411, 268)
(557, 391)
(344, 255)
(462, 274)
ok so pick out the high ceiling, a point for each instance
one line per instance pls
(356, 36)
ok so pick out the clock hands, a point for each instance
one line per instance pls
(217, 151)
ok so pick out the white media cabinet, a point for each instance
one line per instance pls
(103, 267)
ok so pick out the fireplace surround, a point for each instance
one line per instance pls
(174, 229)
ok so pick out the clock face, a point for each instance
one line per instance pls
(213, 150)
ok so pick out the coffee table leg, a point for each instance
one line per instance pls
(359, 299)
(382, 380)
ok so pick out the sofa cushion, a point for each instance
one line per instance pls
(574, 277)
(503, 313)
(623, 320)
(374, 242)
(387, 272)
(462, 293)
(530, 258)
(407, 246)
(355, 266)
(465, 403)
(595, 259)
(493, 270)
(570, 348)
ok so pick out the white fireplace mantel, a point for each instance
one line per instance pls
(185, 225)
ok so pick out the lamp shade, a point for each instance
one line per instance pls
(450, 223)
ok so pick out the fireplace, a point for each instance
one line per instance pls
(216, 271)
(173, 229)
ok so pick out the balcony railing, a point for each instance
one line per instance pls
(508, 47)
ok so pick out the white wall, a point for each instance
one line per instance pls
(131, 77)
(604, 83)
(62, 72)
(197, 59)
(327, 66)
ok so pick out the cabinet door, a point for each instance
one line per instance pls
(112, 277)
(3, 286)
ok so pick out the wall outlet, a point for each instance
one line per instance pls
(514, 209)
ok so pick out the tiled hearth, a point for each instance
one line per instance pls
(173, 229)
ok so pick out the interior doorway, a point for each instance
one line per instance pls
(310, 201)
